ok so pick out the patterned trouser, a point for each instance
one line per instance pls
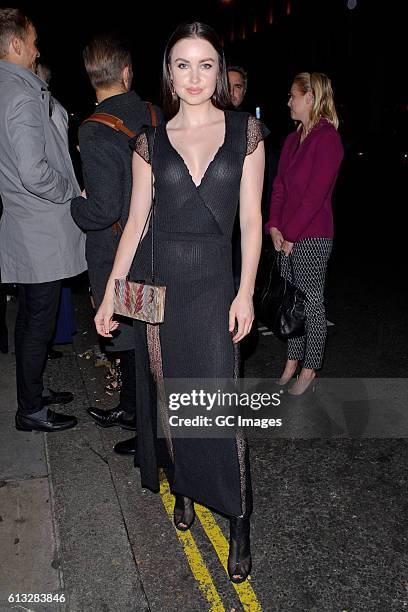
(310, 257)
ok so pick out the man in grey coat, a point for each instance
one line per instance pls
(39, 242)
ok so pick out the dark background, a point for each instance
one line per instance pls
(362, 50)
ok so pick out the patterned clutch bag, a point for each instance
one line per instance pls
(139, 300)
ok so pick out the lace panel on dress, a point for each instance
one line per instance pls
(241, 442)
(156, 368)
(254, 134)
(141, 146)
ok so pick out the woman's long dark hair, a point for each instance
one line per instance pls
(221, 98)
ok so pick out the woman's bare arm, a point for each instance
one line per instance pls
(251, 240)
(139, 210)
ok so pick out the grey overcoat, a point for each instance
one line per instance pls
(39, 241)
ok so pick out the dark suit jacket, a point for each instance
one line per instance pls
(107, 170)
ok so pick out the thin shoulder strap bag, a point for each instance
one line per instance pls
(138, 300)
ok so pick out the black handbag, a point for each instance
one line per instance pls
(279, 304)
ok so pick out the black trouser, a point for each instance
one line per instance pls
(128, 390)
(310, 257)
(35, 323)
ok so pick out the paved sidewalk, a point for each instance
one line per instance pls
(28, 541)
(62, 530)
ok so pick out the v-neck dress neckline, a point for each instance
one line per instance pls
(204, 176)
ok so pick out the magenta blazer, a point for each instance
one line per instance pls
(301, 199)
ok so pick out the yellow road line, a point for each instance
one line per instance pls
(245, 592)
(194, 558)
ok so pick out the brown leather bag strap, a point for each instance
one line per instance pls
(117, 124)
(111, 121)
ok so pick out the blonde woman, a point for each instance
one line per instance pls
(301, 220)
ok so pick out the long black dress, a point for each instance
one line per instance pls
(193, 227)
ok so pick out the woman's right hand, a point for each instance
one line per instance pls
(277, 238)
(103, 319)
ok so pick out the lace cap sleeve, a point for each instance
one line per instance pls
(256, 131)
(140, 144)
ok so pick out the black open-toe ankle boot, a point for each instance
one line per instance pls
(239, 558)
(184, 513)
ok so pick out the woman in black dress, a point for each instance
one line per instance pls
(205, 160)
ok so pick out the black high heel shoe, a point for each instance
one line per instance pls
(239, 558)
(184, 513)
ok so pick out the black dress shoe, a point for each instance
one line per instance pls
(44, 421)
(53, 354)
(130, 447)
(126, 447)
(56, 397)
(111, 418)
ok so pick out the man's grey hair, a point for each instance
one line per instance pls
(241, 71)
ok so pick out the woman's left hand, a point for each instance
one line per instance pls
(241, 311)
(287, 247)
